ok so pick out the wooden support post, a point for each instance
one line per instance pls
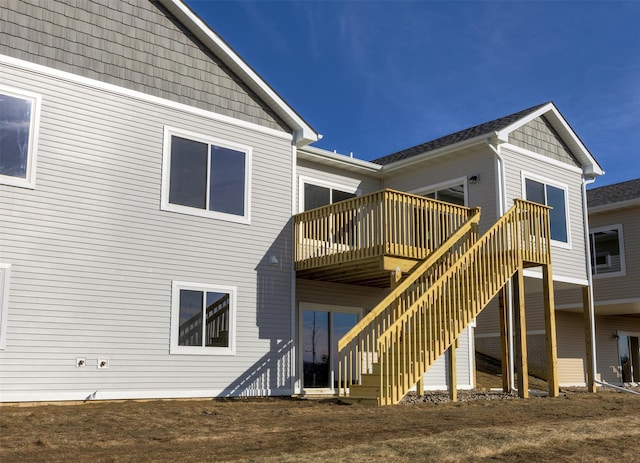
(550, 331)
(504, 338)
(521, 334)
(589, 333)
(453, 380)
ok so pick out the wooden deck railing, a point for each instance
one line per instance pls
(425, 325)
(383, 223)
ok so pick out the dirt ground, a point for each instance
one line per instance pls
(575, 427)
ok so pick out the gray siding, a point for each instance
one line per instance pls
(93, 256)
(129, 43)
(538, 136)
(482, 194)
(620, 287)
(567, 263)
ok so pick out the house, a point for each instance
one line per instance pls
(166, 229)
(614, 219)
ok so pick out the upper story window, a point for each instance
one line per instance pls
(205, 176)
(453, 192)
(555, 196)
(202, 319)
(607, 251)
(19, 115)
(318, 194)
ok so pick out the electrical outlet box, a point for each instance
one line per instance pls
(81, 362)
(103, 362)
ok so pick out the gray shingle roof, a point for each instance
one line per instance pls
(466, 134)
(615, 193)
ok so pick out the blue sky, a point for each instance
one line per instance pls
(375, 77)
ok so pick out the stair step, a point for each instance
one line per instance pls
(366, 401)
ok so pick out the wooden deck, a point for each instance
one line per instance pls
(361, 240)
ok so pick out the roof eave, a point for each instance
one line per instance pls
(614, 206)
(404, 163)
(590, 166)
(304, 133)
(318, 154)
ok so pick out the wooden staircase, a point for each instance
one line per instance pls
(394, 345)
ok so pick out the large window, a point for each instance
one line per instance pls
(18, 127)
(206, 177)
(202, 319)
(607, 251)
(555, 196)
(316, 195)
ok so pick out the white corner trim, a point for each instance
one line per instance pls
(5, 279)
(122, 91)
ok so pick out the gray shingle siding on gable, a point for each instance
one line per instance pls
(538, 136)
(130, 43)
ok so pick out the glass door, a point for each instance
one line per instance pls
(629, 352)
(321, 329)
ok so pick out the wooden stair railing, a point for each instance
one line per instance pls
(356, 348)
(424, 329)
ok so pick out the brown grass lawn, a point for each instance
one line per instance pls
(576, 427)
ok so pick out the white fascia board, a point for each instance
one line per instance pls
(480, 139)
(340, 160)
(590, 166)
(304, 132)
(614, 206)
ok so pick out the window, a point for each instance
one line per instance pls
(202, 319)
(205, 177)
(19, 115)
(554, 196)
(318, 195)
(607, 253)
(5, 271)
(454, 194)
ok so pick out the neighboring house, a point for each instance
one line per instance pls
(614, 223)
(148, 178)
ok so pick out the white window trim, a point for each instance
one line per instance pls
(623, 265)
(4, 303)
(302, 306)
(165, 205)
(34, 134)
(545, 180)
(302, 180)
(442, 185)
(174, 348)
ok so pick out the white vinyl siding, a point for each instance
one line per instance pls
(445, 171)
(5, 277)
(19, 128)
(570, 264)
(93, 256)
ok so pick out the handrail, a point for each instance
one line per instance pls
(356, 346)
(428, 328)
(383, 223)
(419, 320)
